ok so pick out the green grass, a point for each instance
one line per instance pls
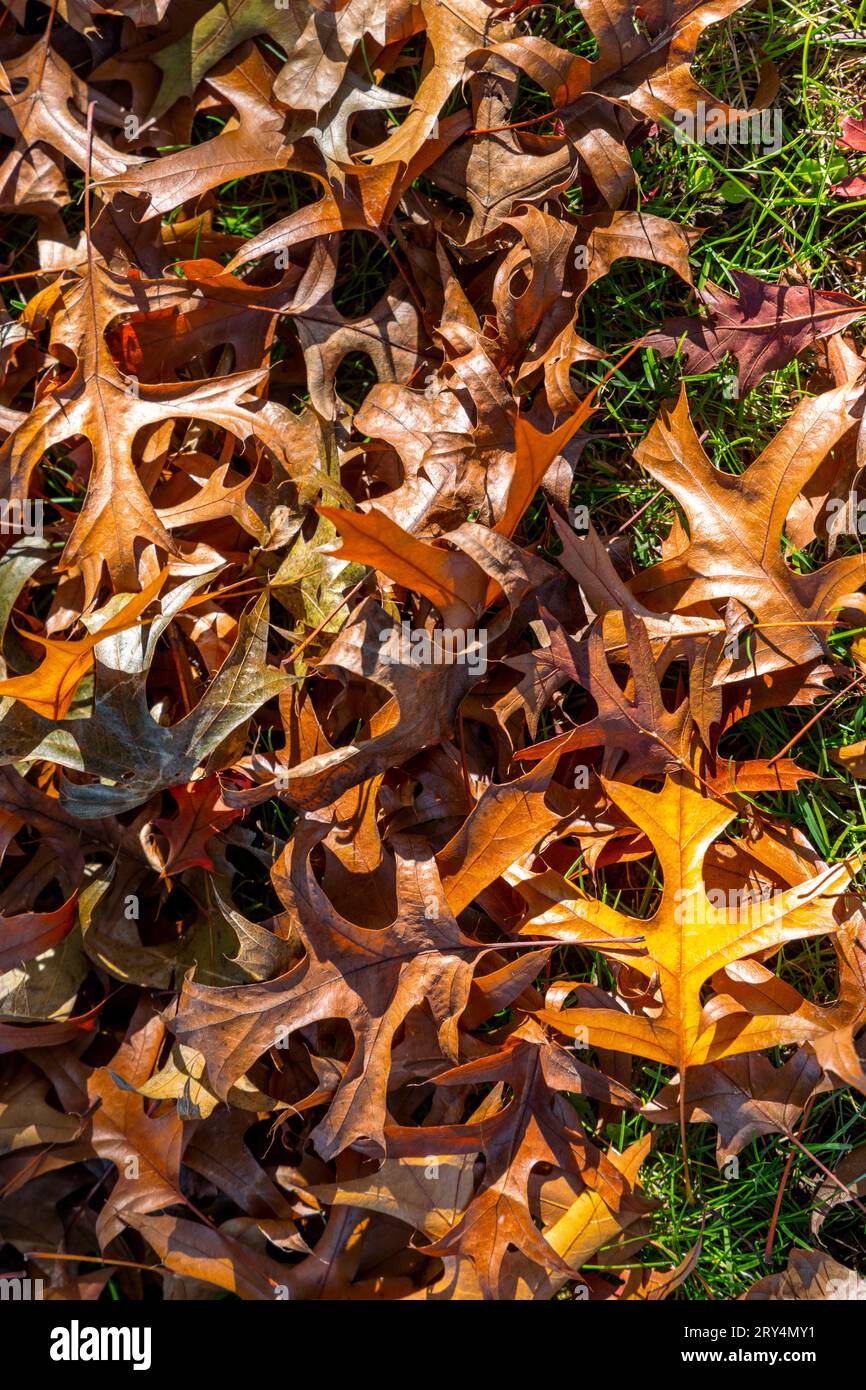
(732, 1215)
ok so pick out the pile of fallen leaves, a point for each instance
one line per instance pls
(360, 839)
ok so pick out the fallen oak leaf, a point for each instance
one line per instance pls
(262, 953)
(255, 144)
(642, 73)
(745, 1097)
(506, 822)
(427, 1193)
(535, 450)
(589, 1223)
(50, 689)
(42, 111)
(27, 934)
(183, 1078)
(222, 27)
(122, 1130)
(851, 757)
(423, 704)
(810, 1275)
(853, 132)
(453, 582)
(196, 1251)
(16, 1036)
(640, 736)
(736, 527)
(319, 57)
(370, 977)
(123, 733)
(97, 401)
(201, 814)
(451, 34)
(657, 1284)
(364, 203)
(687, 939)
(498, 165)
(765, 327)
(533, 1127)
(26, 1118)
(854, 186)
(850, 1172)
